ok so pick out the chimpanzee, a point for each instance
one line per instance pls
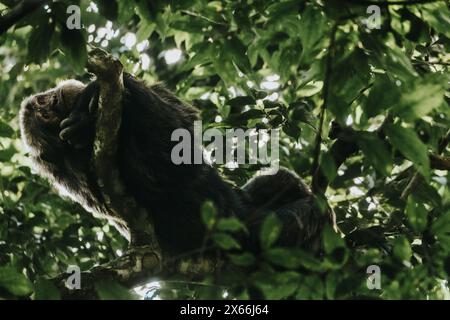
(58, 126)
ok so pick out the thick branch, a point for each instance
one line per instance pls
(19, 12)
(136, 267)
(144, 260)
(119, 204)
(439, 162)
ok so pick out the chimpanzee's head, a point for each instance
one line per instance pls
(41, 114)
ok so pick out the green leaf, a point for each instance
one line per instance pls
(293, 258)
(311, 19)
(245, 259)
(270, 230)
(441, 225)
(280, 9)
(209, 214)
(39, 50)
(409, 100)
(288, 56)
(125, 10)
(108, 9)
(46, 290)
(258, 94)
(187, 24)
(331, 283)
(388, 57)
(224, 66)
(283, 257)
(286, 283)
(145, 30)
(409, 144)
(285, 286)
(417, 214)
(421, 96)
(111, 290)
(278, 285)
(397, 62)
(331, 240)
(225, 111)
(310, 89)
(376, 152)
(225, 241)
(146, 10)
(15, 282)
(437, 15)
(7, 154)
(201, 53)
(6, 130)
(311, 287)
(328, 166)
(241, 101)
(74, 46)
(163, 22)
(447, 265)
(231, 224)
(237, 52)
(425, 193)
(402, 249)
(301, 113)
(383, 95)
(292, 130)
(350, 76)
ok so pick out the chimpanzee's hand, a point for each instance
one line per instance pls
(79, 128)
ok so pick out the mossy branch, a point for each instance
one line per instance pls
(144, 260)
(120, 204)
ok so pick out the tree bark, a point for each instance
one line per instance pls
(144, 259)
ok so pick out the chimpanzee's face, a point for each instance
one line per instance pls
(54, 105)
(42, 113)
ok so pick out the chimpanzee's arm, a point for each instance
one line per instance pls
(79, 128)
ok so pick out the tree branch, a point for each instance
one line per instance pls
(443, 143)
(19, 12)
(119, 204)
(346, 146)
(326, 83)
(439, 162)
(342, 148)
(144, 260)
(136, 267)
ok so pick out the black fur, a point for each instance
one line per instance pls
(173, 194)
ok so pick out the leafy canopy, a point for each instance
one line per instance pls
(265, 64)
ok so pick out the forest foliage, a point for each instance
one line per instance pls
(267, 64)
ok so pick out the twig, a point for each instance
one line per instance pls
(411, 184)
(439, 162)
(441, 63)
(199, 16)
(443, 143)
(328, 67)
(17, 13)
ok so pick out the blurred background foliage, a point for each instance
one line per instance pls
(264, 64)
